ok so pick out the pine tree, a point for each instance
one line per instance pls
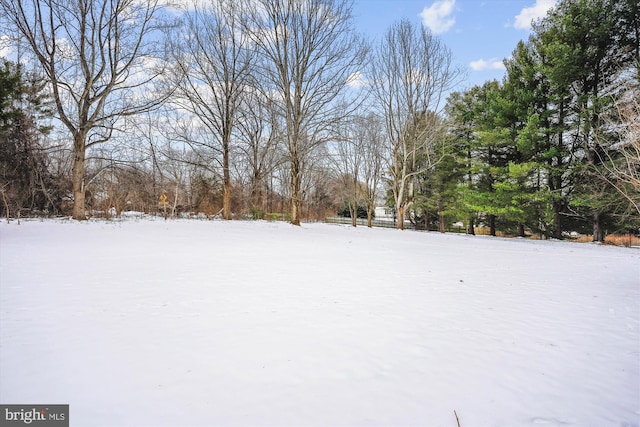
(25, 182)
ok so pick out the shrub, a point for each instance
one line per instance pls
(345, 212)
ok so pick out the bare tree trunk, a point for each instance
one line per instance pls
(226, 185)
(441, 223)
(77, 177)
(521, 230)
(401, 211)
(295, 193)
(256, 190)
(175, 199)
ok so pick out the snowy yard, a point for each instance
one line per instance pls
(207, 323)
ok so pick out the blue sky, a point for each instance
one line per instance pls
(480, 33)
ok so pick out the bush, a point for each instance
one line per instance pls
(277, 216)
(346, 213)
(257, 213)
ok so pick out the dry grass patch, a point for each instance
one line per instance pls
(627, 240)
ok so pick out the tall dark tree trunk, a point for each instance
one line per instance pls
(426, 221)
(441, 223)
(598, 230)
(492, 225)
(557, 221)
(521, 230)
(470, 228)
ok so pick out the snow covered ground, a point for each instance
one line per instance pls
(208, 323)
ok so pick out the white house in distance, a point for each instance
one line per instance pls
(384, 213)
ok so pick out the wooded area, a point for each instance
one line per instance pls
(278, 109)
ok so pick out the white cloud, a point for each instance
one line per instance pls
(5, 46)
(179, 6)
(482, 64)
(356, 80)
(437, 17)
(533, 13)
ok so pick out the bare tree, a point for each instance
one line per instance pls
(373, 158)
(309, 54)
(96, 56)
(146, 131)
(348, 157)
(358, 159)
(212, 68)
(621, 168)
(260, 136)
(318, 185)
(411, 71)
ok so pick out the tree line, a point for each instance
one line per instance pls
(545, 148)
(251, 108)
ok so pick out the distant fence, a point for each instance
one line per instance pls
(385, 223)
(389, 223)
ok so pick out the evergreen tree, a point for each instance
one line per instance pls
(461, 125)
(534, 151)
(25, 182)
(540, 190)
(583, 49)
